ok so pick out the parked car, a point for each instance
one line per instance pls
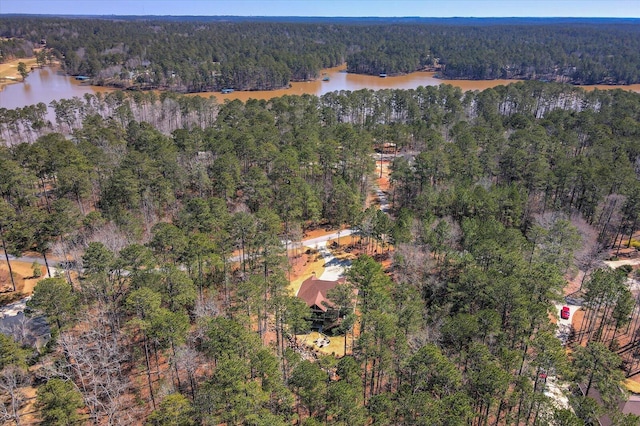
(565, 312)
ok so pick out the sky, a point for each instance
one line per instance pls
(347, 8)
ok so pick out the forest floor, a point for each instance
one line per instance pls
(28, 411)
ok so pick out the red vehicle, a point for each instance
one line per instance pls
(565, 312)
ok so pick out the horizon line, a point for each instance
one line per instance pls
(326, 17)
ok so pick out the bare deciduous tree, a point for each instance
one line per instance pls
(94, 360)
(111, 237)
(188, 359)
(590, 253)
(12, 378)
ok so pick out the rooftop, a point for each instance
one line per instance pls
(313, 292)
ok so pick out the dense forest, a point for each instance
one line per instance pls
(497, 197)
(200, 55)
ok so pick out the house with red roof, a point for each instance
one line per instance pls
(313, 292)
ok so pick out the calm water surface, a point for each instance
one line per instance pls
(340, 80)
(47, 84)
(44, 85)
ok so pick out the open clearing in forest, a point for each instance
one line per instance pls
(9, 71)
(23, 274)
(317, 342)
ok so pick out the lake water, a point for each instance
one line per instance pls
(47, 84)
(44, 85)
(340, 80)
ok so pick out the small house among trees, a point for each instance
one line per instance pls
(324, 313)
(385, 148)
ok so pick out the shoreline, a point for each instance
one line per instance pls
(462, 83)
(9, 71)
(339, 80)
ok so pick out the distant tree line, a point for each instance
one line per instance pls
(195, 56)
(15, 48)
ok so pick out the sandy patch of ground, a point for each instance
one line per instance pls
(318, 232)
(23, 273)
(632, 385)
(576, 319)
(9, 71)
(28, 411)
